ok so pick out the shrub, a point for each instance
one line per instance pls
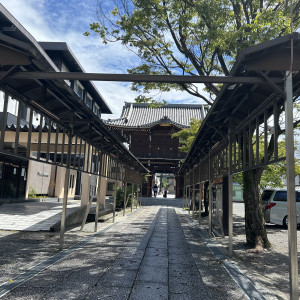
(120, 197)
(32, 193)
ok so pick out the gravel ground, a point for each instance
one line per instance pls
(19, 251)
(155, 253)
(270, 268)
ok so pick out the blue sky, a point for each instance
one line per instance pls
(65, 21)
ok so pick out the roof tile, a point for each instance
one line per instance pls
(141, 115)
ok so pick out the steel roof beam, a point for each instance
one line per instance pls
(140, 77)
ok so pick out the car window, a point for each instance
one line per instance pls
(280, 196)
(266, 195)
(297, 196)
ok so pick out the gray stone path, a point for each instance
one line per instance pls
(152, 253)
(32, 216)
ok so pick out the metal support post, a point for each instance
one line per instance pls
(125, 202)
(200, 201)
(98, 195)
(291, 195)
(132, 194)
(137, 196)
(65, 200)
(210, 195)
(115, 201)
(230, 206)
(193, 193)
(141, 195)
(200, 194)
(87, 210)
(184, 192)
(4, 121)
(189, 197)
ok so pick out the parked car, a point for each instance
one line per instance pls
(265, 197)
(275, 206)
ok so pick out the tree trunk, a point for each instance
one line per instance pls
(256, 235)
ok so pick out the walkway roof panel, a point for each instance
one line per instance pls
(54, 98)
(236, 102)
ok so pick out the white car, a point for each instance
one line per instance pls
(275, 206)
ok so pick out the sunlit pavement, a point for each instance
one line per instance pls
(153, 253)
(32, 216)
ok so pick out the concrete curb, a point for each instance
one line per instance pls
(246, 285)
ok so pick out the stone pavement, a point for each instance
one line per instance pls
(152, 253)
(32, 216)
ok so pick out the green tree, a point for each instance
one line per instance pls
(189, 37)
(187, 135)
(129, 196)
(272, 174)
(165, 182)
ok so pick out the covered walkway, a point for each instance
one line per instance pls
(156, 252)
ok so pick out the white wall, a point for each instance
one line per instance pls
(38, 176)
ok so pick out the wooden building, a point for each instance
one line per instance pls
(148, 133)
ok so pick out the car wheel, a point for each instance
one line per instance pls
(285, 222)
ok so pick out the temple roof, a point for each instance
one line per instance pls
(137, 115)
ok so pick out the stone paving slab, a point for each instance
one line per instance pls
(32, 216)
(153, 253)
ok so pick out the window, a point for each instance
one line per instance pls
(297, 196)
(71, 181)
(65, 69)
(13, 106)
(89, 101)
(24, 111)
(1, 101)
(79, 89)
(96, 110)
(280, 196)
(110, 186)
(266, 195)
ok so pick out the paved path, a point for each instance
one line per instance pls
(32, 216)
(153, 253)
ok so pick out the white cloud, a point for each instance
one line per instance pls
(29, 15)
(49, 20)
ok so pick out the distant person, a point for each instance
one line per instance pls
(155, 188)
(165, 192)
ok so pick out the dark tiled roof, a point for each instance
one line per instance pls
(141, 115)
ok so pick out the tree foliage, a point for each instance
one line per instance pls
(187, 135)
(190, 37)
(272, 174)
(165, 182)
